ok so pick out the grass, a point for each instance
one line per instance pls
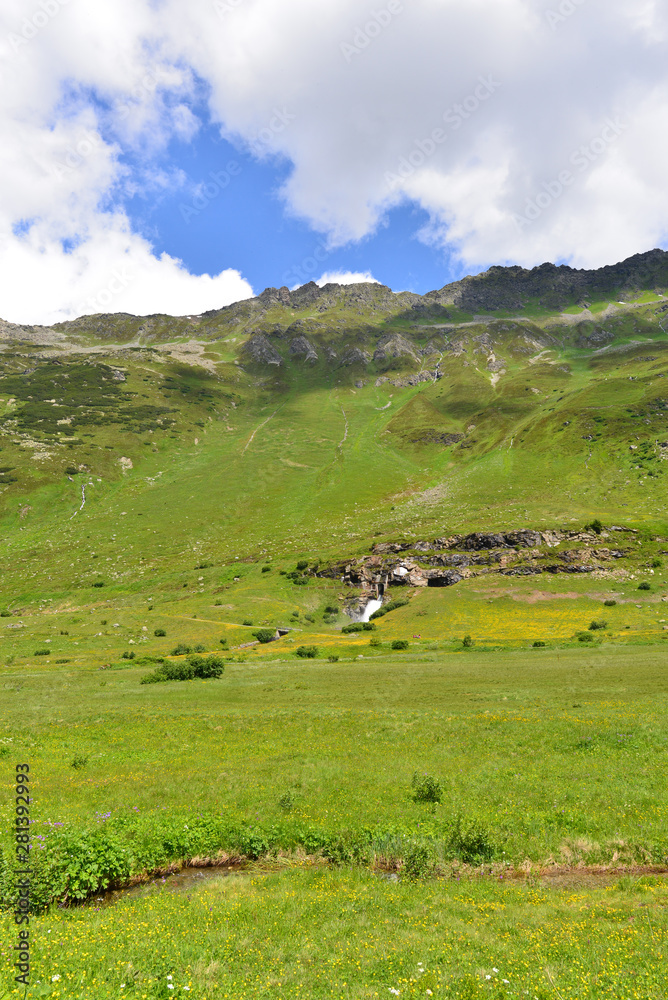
(557, 754)
(305, 933)
(159, 496)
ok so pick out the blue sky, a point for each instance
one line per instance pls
(410, 143)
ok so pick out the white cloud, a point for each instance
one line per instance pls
(470, 110)
(346, 278)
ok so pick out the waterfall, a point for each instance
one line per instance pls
(369, 610)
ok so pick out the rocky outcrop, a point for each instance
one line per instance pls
(300, 346)
(394, 346)
(355, 356)
(259, 350)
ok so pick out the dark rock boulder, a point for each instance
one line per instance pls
(261, 351)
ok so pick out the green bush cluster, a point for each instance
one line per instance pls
(397, 602)
(426, 788)
(644, 585)
(358, 627)
(400, 644)
(265, 635)
(308, 652)
(597, 626)
(195, 666)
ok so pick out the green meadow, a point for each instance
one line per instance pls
(551, 765)
(479, 814)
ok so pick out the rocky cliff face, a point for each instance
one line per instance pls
(447, 561)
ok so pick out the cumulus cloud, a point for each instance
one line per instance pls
(346, 278)
(527, 130)
(471, 110)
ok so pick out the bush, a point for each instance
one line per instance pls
(331, 609)
(42, 652)
(78, 762)
(199, 648)
(128, 656)
(584, 637)
(224, 642)
(418, 862)
(180, 650)
(539, 645)
(471, 845)
(644, 585)
(375, 642)
(426, 788)
(595, 526)
(656, 564)
(309, 652)
(266, 569)
(400, 644)
(309, 618)
(359, 627)
(467, 642)
(610, 603)
(99, 583)
(247, 621)
(597, 626)
(300, 581)
(398, 602)
(286, 802)
(160, 632)
(264, 635)
(194, 666)
(5, 614)
(302, 565)
(333, 659)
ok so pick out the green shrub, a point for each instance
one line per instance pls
(426, 788)
(375, 642)
(99, 583)
(398, 602)
(644, 585)
(309, 618)
(539, 645)
(331, 609)
(128, 656)
(286, 802)
(471, 845)
(467, 642)
(309, 652)
(656, 564)
(42, 652)
(264, 635)
(584, 637)
(5, 614)
(359, 627)
(302, 565)
(194, 666)
(224, 642)
(160, 632)
(597, 626)
(266, 569)
(333, 659)
(78, 762)
(199, 648)
(247, 621)
(610, 603)
(301, 581)
(418, 862)
(595, 526)
(180, 650)
(400, 644)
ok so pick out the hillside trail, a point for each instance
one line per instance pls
(259, 428)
